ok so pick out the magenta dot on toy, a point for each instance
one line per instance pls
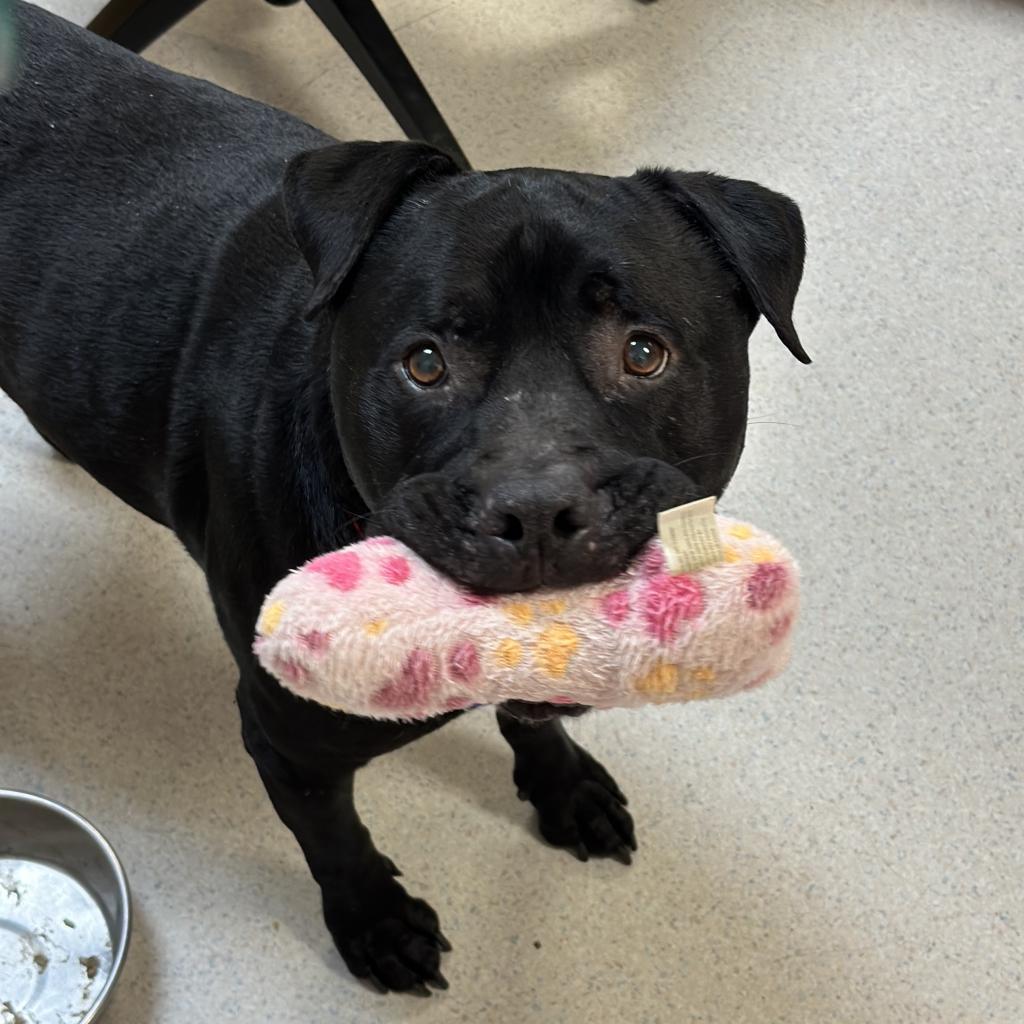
(315, 640)
(464, 662)
(669, 601)
(780, 630)
(414, 685)
(654, 562)
(766, 585)
(341, 569)
(615, 606)
(293, 672)
(395, 569)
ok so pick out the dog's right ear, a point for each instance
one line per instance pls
(337, 197)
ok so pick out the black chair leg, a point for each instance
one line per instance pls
(356, 24)
(134, 24)
(366, 38)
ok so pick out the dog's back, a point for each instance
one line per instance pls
(136, 206)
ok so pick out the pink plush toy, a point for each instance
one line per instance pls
(375, 631)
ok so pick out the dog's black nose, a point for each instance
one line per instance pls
(540, 514)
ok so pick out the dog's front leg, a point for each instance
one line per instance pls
(579, 805)
(384, 934)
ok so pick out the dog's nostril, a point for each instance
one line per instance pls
(511, 529)
(566, 523)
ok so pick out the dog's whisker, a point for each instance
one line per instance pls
(694, 458)
(356, 515)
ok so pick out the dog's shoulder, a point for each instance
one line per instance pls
(78, 90)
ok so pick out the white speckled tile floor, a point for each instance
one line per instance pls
(847, 845)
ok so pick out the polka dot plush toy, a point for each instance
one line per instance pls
(374, 631)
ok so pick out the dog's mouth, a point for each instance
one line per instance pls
(454, 526)
(543, 711)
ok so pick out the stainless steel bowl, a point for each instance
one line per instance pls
(65, 914)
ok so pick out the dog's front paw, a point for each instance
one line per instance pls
(581, 808)
(388, 937)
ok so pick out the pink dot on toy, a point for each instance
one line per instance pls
(766, 585)
(396, 569)
(615, 606)
(781, 629)
(464, 662)
(316, 640)
(669, 601)
(654, 562)
(413, 688)
(341, 569)
(292, 671)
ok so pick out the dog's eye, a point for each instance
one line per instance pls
(425, 365)
(644, 356)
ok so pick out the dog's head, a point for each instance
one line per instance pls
(527, 365)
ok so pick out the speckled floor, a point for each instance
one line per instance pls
(845, 845)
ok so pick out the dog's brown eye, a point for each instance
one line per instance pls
(425, 365)
(644, 356)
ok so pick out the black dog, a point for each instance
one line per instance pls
(510, 371)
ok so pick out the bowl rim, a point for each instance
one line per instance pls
(121, 941)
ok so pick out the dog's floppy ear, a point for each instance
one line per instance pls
(337, 197)
(759, 233)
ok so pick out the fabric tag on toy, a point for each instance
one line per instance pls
(689, 534)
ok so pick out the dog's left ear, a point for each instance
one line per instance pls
(336, 198)
(759, 233)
